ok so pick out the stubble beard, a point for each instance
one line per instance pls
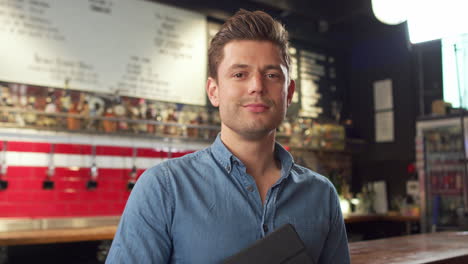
(251, 129)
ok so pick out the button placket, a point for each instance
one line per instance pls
(269, 210)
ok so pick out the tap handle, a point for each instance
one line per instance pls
(94, 171)
(133, 173)
(50, 171)
(3, 163)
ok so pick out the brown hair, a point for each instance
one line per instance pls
(246, 25)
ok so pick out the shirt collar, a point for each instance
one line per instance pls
(222, 154)
(286, 159)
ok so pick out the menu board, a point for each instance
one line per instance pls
(127, 47)
(312, 70)
(294, 71)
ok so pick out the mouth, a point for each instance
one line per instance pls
(256, 108)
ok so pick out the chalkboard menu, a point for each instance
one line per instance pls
(294, 71)
(317, 75)
(311, 71)
(130, 47)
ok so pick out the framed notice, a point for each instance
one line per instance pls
(383, 110)
(384, 127)
(383, 95)
(130, 47)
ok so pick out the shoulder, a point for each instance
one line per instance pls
(188, 159)
(166, 170)
(307, 176)
(185, 165)
(319, 187)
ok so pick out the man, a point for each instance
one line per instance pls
(209, 205)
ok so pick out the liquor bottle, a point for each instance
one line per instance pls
(96, 110)
(30, 117)
(192, 132)
(73, 122)
(171, 119)
(151, 116)
(110, 126)
(183, 118)
(142, 111)
(120, 112)
(50, 108)
(159, 129)
(134, 116)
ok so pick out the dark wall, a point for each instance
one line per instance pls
(374, 52)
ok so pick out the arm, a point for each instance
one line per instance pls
(335, 249)
(143, 235)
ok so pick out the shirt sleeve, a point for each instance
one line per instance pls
(336, 248)
(143, 235)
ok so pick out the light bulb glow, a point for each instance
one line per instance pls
(435, 19)
(345, 207)
(392, 12)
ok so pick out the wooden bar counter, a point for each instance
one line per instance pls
(349, 219)
(50, 236)
(62, 230)
(443, 247)
(30, 231)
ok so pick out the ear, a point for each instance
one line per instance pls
(291, 89)
(212, 90)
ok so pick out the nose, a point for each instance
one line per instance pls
(256, 84)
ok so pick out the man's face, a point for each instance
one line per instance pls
(252, 89)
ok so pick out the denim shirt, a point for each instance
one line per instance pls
(204, 207)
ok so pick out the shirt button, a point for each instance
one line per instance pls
(228, 168)
(265, 228)
(250, 188)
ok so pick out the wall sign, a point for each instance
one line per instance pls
(383, 111)
(131, 47)
(312, 69)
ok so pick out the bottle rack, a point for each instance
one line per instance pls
(66, 122)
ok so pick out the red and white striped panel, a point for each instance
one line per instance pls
(34, 150)
(27, 156)
(37, 154)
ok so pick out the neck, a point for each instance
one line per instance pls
(256, 154)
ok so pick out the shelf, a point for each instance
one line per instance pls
(95, 125)
(285, 141)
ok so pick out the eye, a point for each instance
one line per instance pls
(239, 75)
(272, 75)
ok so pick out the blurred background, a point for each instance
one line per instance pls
(93, 92)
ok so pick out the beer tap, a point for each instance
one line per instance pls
(3, 167)
(92, 183)
(133, 172)
(48, 184)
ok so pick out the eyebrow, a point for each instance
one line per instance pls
(244, 66)
(238, 66)
(273, 67)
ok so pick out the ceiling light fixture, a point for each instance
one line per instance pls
(391, 12)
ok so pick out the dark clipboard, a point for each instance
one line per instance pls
(282, 246)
